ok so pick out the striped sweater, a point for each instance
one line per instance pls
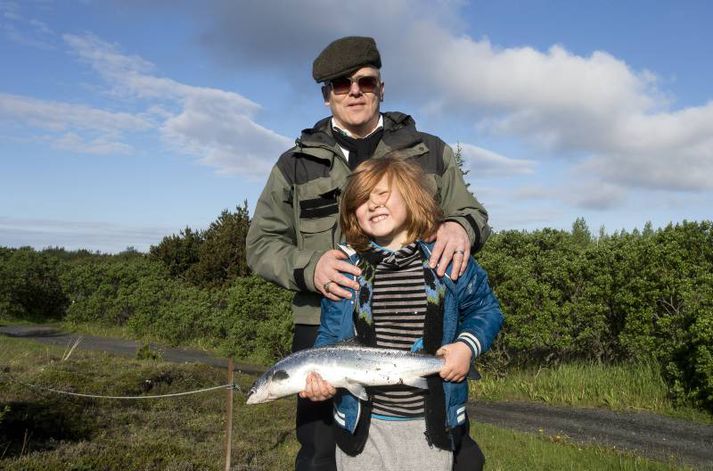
(399, 310)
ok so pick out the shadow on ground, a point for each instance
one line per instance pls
(41, 425)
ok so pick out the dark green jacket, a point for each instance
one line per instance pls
(296, 221)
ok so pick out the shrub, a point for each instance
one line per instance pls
(178, 252)
(257, 321)
(30, 288)
(109, 291)
(209, 258)
(624, 297)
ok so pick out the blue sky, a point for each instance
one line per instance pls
(125, 121)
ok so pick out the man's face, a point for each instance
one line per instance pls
(356, 111)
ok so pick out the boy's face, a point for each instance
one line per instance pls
(383, 217)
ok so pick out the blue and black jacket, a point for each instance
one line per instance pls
(464, 310)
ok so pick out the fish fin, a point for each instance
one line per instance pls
(417, 382)
(357, 389)
(350, 342)
(417, 346)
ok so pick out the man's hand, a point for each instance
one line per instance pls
(317, 389)
(452, 244)
(457, 356)
(328, 277)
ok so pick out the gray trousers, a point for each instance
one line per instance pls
(396, 446)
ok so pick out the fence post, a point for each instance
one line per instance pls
(229, 418)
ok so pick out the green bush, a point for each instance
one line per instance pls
(566, 296)
(257, 321)
(249, 319)
(687, 351)
(625, 297)
(209, 258)
(30, 288)
(110, 291)
(221, 256)
(178, 252)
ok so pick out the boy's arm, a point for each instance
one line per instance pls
(329, 323)
(317, 389)
(479, 311)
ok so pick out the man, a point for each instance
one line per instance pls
(294, 231)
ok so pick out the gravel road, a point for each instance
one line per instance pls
(645, 434)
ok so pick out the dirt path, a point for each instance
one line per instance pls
(645, 434)
(53, 336)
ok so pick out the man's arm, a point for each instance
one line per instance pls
(273, 253)
(271, 244)
(465, 228)
(460, 205)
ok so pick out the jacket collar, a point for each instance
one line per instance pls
(425, 247)
(399, 133)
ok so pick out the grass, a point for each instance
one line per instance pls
(46, 431)
(632, 387)
(625, 387)
(507, 450)
(40, 430)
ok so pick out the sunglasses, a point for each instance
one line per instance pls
(342, 85)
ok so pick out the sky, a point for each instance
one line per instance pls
(122, 122)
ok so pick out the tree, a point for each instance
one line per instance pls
(580, 233)
(459, 160)
(221, 256)
(178, 252)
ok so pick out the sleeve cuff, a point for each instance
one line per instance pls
(473, 234)
(472, 342)
(306, 273)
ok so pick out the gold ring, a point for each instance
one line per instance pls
(326, 286)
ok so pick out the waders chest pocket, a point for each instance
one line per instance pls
(317, 233)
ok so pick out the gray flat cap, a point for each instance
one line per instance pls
(344, 56)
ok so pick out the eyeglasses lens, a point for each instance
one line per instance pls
(342, 85)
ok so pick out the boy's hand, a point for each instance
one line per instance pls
(457, 356)
(317, 389)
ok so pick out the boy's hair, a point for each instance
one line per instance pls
(423, 213)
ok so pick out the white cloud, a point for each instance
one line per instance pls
(534, 192)
(613, 124)
(593, 195)
(72, 127)
(582, 193)
(28, 32)
(99, 146)
(73, 235)
(213, 125)
(484, 163)
(592, 109)
(60, 116)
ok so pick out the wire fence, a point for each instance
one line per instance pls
(100, 396)
(229, 387)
